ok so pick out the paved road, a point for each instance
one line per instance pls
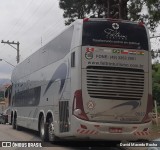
(9, 134)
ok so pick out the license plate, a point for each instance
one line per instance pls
(115, 130)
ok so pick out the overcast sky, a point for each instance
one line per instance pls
(31, 22)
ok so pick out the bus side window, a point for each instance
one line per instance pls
(73, 59)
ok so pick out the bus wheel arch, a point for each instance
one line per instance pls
(11, 117)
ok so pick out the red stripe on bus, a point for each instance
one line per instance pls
(138, 133)
(92, 131)
(82, 131)
(87, 131)
(146, 133)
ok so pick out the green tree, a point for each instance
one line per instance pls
(73, 9)
(152, 18)
(124, 9)
(154, 12)
(156, 82)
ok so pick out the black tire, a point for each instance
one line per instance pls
(43, 129)
(51, 136)
(3, 121)
(14, 123)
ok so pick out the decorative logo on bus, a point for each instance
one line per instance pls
(89, 55)
(115, 26)
(61, 74)
(134, 104)
(114, 34)
(91, 105)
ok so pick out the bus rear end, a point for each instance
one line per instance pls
(115, 100)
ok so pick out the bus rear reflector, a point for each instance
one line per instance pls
(83, 126)
(78, 109)
(145, 129)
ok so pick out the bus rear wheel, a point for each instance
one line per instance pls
(43, 129)
(13, 122)
(51, 134)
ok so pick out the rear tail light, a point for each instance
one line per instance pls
(85, 19)
(147, 117)
(141, 24)
(78, 109)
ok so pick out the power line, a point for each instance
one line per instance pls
(35, 11)
(14, 26)
(29, 18)
(38, 20)
(24, 24)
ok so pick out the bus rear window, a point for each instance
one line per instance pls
(117, 35)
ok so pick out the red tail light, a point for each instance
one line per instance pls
(141, 24)
(78, 109)
(147, 118)
(85, 19)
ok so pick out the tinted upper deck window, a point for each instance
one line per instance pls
(113, 34)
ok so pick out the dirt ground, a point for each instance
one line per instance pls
(155, 130)
(155, 134)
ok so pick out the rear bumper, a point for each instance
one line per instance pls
(100, 131)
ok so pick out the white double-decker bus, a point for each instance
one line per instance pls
(93, 81)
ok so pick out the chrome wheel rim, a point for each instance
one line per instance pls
(51, 130)
(42, 128)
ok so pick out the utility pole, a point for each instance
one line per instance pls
(17, 49)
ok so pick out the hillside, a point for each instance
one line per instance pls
(4, 81)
